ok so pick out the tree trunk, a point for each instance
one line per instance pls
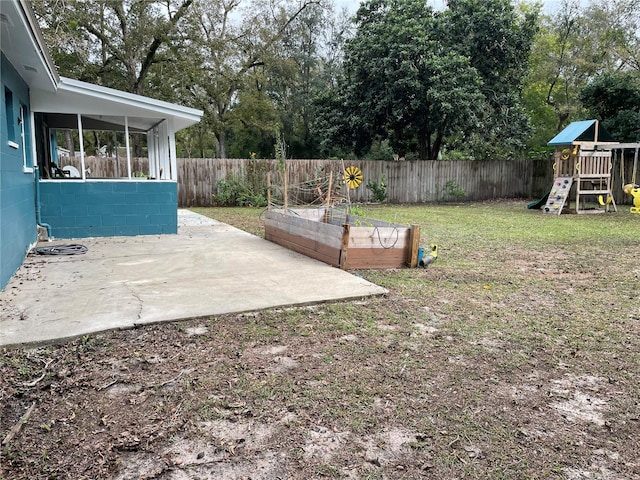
(562, 118)
(428, 151)
(221, 147)
(423, 149)
(136, 145)
(437, 145)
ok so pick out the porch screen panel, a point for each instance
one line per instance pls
(81, 138)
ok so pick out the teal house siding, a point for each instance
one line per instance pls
(76, 209)
(18, 229)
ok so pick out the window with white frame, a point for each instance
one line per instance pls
(23, 118)
(11, 119)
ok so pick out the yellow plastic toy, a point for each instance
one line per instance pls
(634, 191)
(604, 202)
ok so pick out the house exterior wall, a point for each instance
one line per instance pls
(18, 230)
(77, 209)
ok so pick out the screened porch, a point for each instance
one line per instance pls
(105, 161)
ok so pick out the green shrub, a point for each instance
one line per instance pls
(453, 189)
(379, 190)
(236, 191)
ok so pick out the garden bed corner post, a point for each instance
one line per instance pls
(344, 247)
(414, 244)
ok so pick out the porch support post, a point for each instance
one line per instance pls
(172, 151)
(163, 147)
(154, 152)
(84, 173)
(156, 146)
(126, 140)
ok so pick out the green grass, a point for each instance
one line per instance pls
(484, 223)
(549, 290)
(521, 311)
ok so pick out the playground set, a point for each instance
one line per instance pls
(583, 158)
(582, 171)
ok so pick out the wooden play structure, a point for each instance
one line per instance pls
(332, 234)
(582, 170)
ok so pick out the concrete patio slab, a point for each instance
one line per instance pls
(208, 268)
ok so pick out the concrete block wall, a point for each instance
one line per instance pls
(17, 184)
(76, 209)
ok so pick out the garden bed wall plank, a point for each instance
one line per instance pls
(371, 222)
(379, 237)
(322, 238)
(323, 233)
(308, 247)
(358, 258)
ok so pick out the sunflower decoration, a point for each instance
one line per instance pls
(352, 177)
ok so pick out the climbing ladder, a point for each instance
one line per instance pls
(558, 195)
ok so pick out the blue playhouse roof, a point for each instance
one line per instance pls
(581, 131)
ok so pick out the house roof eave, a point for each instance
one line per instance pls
(77, 97)
(24, 46)
(43, 50)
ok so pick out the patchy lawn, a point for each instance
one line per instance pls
(516, 355)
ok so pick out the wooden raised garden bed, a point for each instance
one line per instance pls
(342, 240)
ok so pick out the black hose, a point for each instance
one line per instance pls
(71, 249)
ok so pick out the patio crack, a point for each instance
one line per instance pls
(137, 297)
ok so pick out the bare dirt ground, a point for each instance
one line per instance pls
(493, 363)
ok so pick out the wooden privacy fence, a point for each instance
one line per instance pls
(99, 167)
(407, 182)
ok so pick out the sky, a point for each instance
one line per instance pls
(352, 5)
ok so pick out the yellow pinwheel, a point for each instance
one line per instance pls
(352, 177)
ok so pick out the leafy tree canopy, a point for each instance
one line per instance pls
(497, 39)
(420, 78)
(614, 98)
(480, 79)
(573, 47)
(113, 43)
